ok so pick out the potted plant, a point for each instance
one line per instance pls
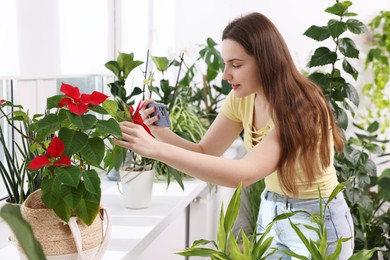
(175, 96)
(71, 142)
(136, 173)
(121, 68)
(366, 192)
(19, 183)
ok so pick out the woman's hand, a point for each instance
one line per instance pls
(148, 120)
(135, 138)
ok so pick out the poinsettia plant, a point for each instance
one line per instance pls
(72, 140)
(128, 159)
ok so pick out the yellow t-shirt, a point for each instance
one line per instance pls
(241, 110)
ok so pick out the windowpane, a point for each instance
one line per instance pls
(5, 88)
(9, 64)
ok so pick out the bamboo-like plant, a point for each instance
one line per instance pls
(19, 183)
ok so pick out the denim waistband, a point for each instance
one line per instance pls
(276, 197)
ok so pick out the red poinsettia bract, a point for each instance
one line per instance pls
(54, 156)
(79, 103)
(137, 118)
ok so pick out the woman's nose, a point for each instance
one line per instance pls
(226, 75)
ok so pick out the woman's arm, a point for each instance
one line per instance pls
(261, 161)
(217, 139)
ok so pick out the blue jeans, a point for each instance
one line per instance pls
(338, 222)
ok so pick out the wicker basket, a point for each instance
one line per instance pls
(60, 240)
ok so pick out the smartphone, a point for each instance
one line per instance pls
(162, 112)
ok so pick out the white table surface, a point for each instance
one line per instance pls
(132, 229)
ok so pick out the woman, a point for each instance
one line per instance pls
(289, 133)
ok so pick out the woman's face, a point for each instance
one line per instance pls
(240, 69)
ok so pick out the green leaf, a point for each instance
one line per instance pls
(127, 63)
(322, 56)
(374, 148)
(352, 94)
(20, 116)
(350, 69)
(176, 175)
(233, 209)
(83, 122)
(341, 118)
(364, 254)
(93, 152)
(52, 102)
(211, 74)
(336, 253)
(348, 48)
(318, 33)
(73, 140)
(201, 252)
(113, 66)
(48, 124)
(356, 26)
(87, 211)
(261, 248)
(23, 231)
(161, 63)
(111, 107)
(373, 127)
(91, 181)
(334, 193)
(339, 8)
(321, 79)
(71, 196)
(336, 28)
(234, 250)
(62, 210)
(109, 126)
(221, 234)
(51, 192)
(69, 176)
(293, 254)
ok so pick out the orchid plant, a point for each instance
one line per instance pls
(72, 141)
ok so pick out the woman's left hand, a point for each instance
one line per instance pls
(135, 138)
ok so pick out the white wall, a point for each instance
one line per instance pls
(196, 20)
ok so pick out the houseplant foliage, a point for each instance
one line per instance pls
(226, 245)
(19, 183)
(210, 90)
(156, 85)
(355, 165)
(23, 231)
(378, 64)
(70, 140)
(319, 247)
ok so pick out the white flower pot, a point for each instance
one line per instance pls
(137, 188)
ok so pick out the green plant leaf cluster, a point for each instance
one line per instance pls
(121, 68)
(377, 62)
(75, 189)
(19, 183)
(356, 165)
(211, 91)
(338, 91)
(226, 245)
(367, 191)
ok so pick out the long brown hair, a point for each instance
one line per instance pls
(300, 111)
